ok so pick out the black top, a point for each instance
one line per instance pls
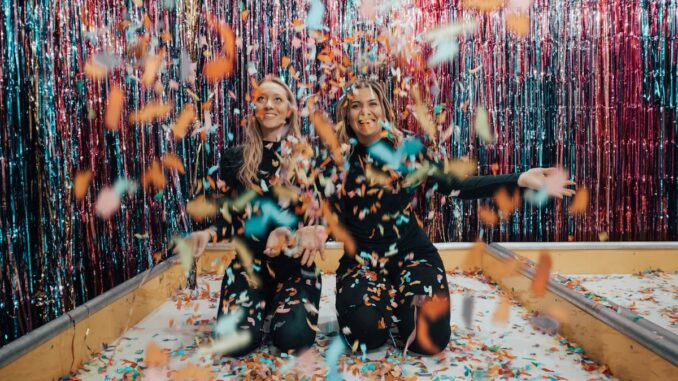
(268, 175)
(378, 214)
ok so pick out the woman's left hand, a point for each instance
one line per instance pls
(311, 241)
(555, 180)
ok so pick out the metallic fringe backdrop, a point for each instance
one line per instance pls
(592, 87)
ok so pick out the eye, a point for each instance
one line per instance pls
(260, 99)
(278, 100)
(354, 106)
(374, 104)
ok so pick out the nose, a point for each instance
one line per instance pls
(268, 104)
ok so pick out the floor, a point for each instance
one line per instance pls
(651, 295)
(485, 350)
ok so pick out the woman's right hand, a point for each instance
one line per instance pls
(197, 242)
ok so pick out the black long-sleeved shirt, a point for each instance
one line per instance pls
(269, 174)
(378, 214)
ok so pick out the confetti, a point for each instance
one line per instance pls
(314, 17)
(153, 176)
(332, 354)
(200, 208)
(338, 232)
(467, 310)
(192, 372)
(155, 356)
(580, 202)
(257, 226)
(482, 126)
(184, 121)
(173, 162)
(541, 274)
(95, 71)
(153, 111)
(246, 260)
(507, 204)
(519, 24)
(487, 215)
(218, 69)
(501, 314)
(461, 169)
(483, 5)
(114, 106)
(422, 115)
(81, 183)
(328, 136)
(107, 203)
(151, 67)
(473, 260)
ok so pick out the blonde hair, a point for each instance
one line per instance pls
(344, 130)
(252, 146)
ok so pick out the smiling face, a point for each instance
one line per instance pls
(364, 114)
(272, 107)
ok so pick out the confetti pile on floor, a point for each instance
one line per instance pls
(485, 350)
(651, 295)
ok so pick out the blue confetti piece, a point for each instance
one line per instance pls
(314, 18)
(257, 226)
(212, 170)
(332, 354)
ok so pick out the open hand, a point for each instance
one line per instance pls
(554, 180)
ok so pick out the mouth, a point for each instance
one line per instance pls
(270, 115)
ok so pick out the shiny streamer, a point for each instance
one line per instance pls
(592, 87)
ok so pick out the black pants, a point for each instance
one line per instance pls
(290, 294)
(373, 295)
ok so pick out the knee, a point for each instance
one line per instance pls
(365, 324)
(290, 338)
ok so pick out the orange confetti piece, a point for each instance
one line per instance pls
(155, 356)
(114, 107)
(542, 274)
(153, 176)
(510, 268)
(338, 232)
(483, 5)
(505, 203)
(487, 215)
(223, 66)
(184, 121)
(94, 71)
(81, 183)
(501, 314)
(244, 15)
(218, 69)
(580, 201)
(151, 67)
(603, 236)
(173, 162)
(460, 169)
(519, 24)
(285, 62)
(422, 115)
(199, 208)
(192, 372)
(325, 131)
(152, 111)
(431, 309)
(473, 260)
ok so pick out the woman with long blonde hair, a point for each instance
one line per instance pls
(288, 288)
(397, 275)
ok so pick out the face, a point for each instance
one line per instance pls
(364, 113)
(272, 107)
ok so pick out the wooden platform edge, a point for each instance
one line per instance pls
(632, 351)
(66, 342)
